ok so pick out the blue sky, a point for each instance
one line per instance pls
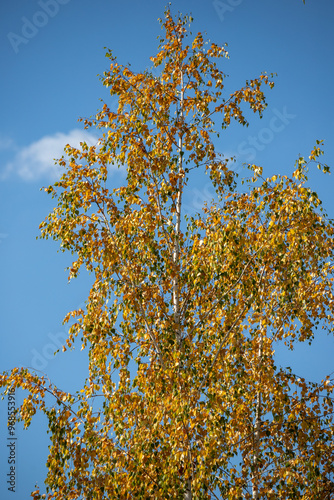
(51, 53)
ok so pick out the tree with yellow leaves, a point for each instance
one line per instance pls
(183, 398)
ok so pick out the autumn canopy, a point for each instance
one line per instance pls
(183, 398)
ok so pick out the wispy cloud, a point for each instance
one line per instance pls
(36, 161)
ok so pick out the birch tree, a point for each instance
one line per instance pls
(183, 398)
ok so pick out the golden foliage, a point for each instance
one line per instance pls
(183, 315)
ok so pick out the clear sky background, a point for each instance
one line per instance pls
(51, 53)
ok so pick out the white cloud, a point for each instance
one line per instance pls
(36, 161)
